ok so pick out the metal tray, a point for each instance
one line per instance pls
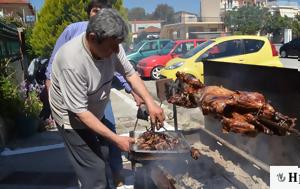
(137, 154)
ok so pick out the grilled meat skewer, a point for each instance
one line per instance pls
(243, 112)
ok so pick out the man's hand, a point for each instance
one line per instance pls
(123, 143)
(157, 115)
(139, 101)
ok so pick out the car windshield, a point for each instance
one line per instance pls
(137, 46)
(194, 51)
(167, 48)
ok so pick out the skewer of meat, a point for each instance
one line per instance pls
(243, 112)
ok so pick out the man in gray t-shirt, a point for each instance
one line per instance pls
(82, 73)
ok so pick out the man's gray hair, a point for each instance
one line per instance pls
(107, 23)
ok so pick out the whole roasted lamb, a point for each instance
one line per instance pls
(239, 111)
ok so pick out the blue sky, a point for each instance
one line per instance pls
(178, 5)
(149, 5)
(37, 3)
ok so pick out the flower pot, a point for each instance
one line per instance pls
(26, 126)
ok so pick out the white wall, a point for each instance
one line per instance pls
(210, 10)
(135, 27)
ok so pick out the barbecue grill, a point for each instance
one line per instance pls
(140, 155)
(152, 159)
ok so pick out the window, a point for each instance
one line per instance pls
(150, 46)
(184, 47)
(253, 45)
(197, 49)
(296, 42)
(199, 42)
(163, 44)
(225, 49)
(189, 45)
(167, 48)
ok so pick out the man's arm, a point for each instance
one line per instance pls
(156, 113)
(124, 61)
(63, 38)
(124, 67)
(93, 123)
(123, 82)
(128, 89)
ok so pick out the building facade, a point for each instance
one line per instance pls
(289, 8)
(207, 25)
(210, 10)
(150, 26)
(185, 17)
(137, 26)
(20, 9)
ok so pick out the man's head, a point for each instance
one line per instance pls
(95, 5)
(105, 31)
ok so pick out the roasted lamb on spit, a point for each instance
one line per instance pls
(239, 111)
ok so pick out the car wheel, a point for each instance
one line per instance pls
(283, 54)
(155, 73)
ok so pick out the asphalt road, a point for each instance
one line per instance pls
(291, 62)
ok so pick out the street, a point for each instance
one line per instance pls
(291, 62)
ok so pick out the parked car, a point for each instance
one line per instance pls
(151, 66)
(244, 49)
(291, 48)
(146, 48)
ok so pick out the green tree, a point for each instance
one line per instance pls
(52, 20)
(137, 13)
(164, 12)
(296, 26)
(118, 5)
(248, 19)
(54, 16)
(275, 23)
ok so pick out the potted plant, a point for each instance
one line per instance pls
(20, 105)
(30, 107)
(9, 100)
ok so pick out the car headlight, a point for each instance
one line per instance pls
(174, 66)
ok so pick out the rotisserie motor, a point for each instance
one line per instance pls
(239, 111)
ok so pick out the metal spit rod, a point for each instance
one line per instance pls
(163, 89)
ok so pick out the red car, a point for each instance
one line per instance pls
(151, 66)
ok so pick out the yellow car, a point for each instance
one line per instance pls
(242, 49)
